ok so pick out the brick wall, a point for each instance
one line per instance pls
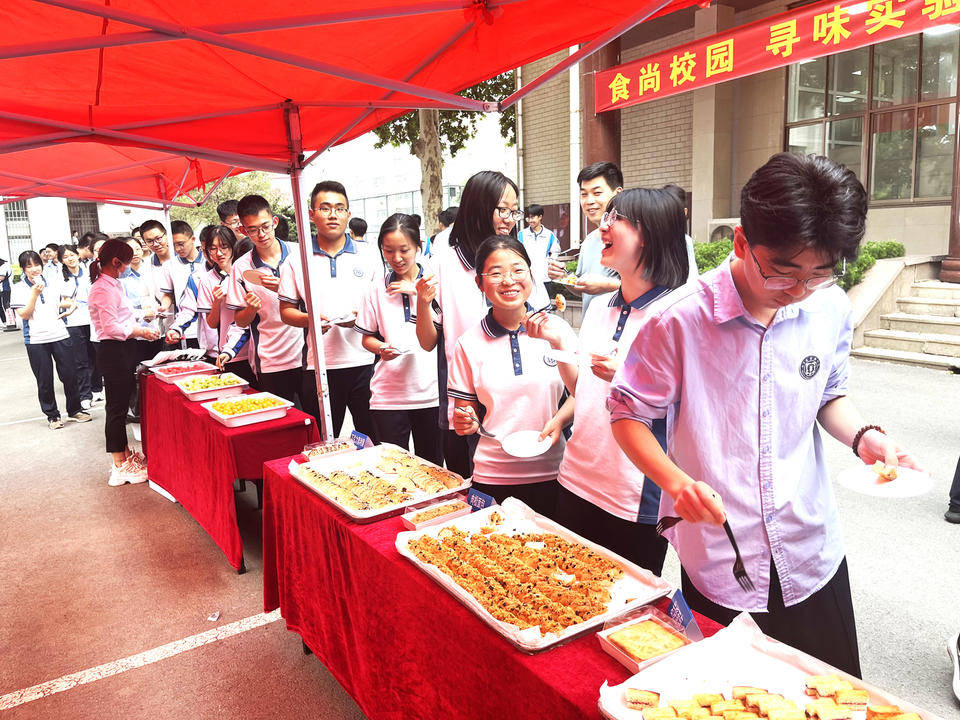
(546, 135)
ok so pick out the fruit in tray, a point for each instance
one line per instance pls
(437, 511)
(209, 382)
(246, 405)
(647, 639)
(180, 368)
(528, 580)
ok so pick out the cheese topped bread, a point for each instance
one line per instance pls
(647, 639)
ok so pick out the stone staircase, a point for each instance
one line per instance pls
(924, 329)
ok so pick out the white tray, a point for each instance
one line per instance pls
(637, 588)
(737, 655)
(251, 417)
(217, 393)
(208, 370)
(366, 459)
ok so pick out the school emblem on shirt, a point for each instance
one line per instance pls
(549, 361)
(809, 366)
(358, 272)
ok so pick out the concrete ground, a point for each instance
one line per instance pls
(94, 574)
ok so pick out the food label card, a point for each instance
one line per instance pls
(360, 440)
(681, 613)
(478, 500)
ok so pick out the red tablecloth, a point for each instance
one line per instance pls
(196, 459)
(395, 640)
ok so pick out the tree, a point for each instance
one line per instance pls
(429, 133)
(234, 188)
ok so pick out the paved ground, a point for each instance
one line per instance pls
(93, 574)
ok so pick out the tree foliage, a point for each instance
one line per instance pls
(234, 188)
(457, 127)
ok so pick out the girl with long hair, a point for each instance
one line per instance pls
(76, 286)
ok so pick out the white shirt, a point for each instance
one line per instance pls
(594, 467)
(43, 326)
(508, 373)
(77, 288)
(275, 346)
(181, 279)
(744, 400)
(540, 246)
(440, 243)
(407, 382)
(340, 284)
(588, 263)
(152, 271)
(227, 336)
(693, 272)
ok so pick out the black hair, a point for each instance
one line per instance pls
(607, 170)
(206, 235)
(252, 205)
(112, 248)
(804, 201)
(89, 238)
(659, 218)
(149, 225)
(60, 250)
(328, 186)
(399, 222)
(282, 230)
(52, 246)
(534, 210)
(678, 192)
(181, 227)
(226, 235)
(474, 222)
(29, 256)
(358, 226)
(226, 209)
(448, 216)
(417, 219)
(499, 242)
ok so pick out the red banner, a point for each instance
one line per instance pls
(809, 32)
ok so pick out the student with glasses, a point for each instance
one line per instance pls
(227, 212)
(748, 365)
(180, 287)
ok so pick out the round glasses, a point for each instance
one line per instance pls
(516, 275)
(505, 213)
(611, 216)
(781, 282)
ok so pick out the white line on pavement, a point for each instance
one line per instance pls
(67, 682)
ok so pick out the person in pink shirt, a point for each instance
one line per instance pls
(117, 327)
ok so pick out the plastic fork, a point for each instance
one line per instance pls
(739, 571)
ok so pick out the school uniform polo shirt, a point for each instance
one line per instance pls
(509, 374)
(181, 278)
(594, 467)
(77, 288)
(275, 346)
(44, 325)
(227, 336)
(408, 382)
(588, 263)
(340, 282)
(539, 246)
(152, 271)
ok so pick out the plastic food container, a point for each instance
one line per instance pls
(457, 508)
(215, 393)
(171, 372)
(648, 615)
(249, 418)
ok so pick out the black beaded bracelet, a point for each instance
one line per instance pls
(855, 445)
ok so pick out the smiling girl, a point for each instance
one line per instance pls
(76, 286)
(503, 375)
(404, 397)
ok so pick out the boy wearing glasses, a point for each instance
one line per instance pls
(180, 286)
(745, 364)
(227, 212)
(276, 349)
(346, 270)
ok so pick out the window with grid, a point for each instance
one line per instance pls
(888, 112)
(83, 217)
(17, 223)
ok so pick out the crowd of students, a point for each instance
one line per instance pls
(696, 397)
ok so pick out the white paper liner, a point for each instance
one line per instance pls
(366, 459)
(636, 588)
(740, 654)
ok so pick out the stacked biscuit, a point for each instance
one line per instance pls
(837, 699)
(365, 491)
(746, 703)
(412, 472)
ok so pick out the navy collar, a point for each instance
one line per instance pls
(648, 297)
(155, 259)
(494, 329)
(392, 276)
(348, 247)
(255, 257)
(190, 262)
(467, 262)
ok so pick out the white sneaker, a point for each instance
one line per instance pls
(117, 475)
(86, 404)
(129, 472)
(953, 648)
(99, 397)
(137, 469)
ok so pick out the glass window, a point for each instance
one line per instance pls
(806, 139)
(848, 81)
(939, 62)
(845, 142)
(936, 137)
(895, 65)
(807, 86)
(891, 147)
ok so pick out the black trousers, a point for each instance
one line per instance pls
(145, 349)
(4, 304)
(96, 377)
(458, 451)
(637, 542)
(350, 388)
(955, 489)
(118, 361)
(42, 358)
(284, 383)
(395, 426)
(80, 340)
(241, 368)
(541, 496)
(823, 625)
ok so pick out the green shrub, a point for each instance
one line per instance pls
(870, 252)
(711, 254)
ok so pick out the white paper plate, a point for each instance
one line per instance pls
(525, 444)
(862, 479)
(565, 356)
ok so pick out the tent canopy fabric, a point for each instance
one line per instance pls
(98, 171)
(253, 83)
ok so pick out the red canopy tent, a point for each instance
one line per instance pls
(254, 84)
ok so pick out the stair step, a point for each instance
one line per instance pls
(935, 289)
(911, 322)
(930, 343)
(942, 307)
(939, 362)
